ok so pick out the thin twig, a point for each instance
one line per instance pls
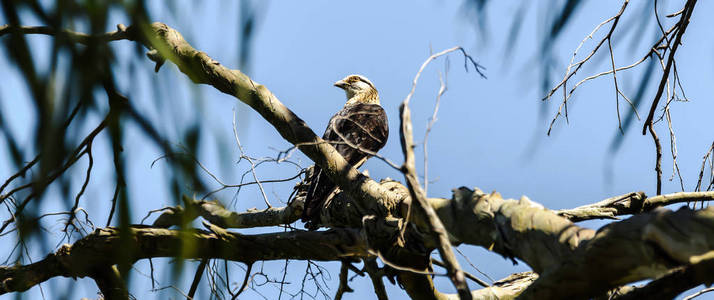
(579, 64)
(252, 165)
(430, 125)
(658, 159)
(683, 22)
(699, 293)
(468, 275)
(456, 275)
(568, 73)
(245, 282)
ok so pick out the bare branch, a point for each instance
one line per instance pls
(343, 287)
(707, 155)
(122, 33)
(101, 249)
(467, 274)
(432, 121)
(245, 282)
(681, 27)
(630, 204)
(373, 271)
(433, 224)
(252, 165)
(699, 293)
(110, 283)
(214, 212)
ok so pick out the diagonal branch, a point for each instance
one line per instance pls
(419, 201)
(165, 43)
(682, 26)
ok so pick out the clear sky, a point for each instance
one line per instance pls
(490, 133)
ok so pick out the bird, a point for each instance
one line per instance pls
(357, 132)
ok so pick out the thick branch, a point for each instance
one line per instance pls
(110, 283)
(103, 249)
(343, 287)
(642, 247)
(374, 274)
(522, 229)
(419, 286)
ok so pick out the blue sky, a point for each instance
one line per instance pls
(490, 133)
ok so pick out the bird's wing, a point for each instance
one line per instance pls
(357, 132)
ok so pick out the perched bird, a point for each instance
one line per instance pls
(357, 131)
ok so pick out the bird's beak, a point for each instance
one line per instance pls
(341, 84)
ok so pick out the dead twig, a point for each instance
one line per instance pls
(436, 228)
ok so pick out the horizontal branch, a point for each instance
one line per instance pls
(214, 212)
(629, 204)
(105, 247)
(122, 33)
(644, 246)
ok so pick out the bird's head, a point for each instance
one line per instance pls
(358, 89)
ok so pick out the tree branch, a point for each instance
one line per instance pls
(100, 249)
(434, 225)
(165, 43)
(682, 26)
(122, 33)
(373, 271)
(343, 287)
(630, 204)
(674, 283)
(110, 283)
(214, 212)
(642, 247)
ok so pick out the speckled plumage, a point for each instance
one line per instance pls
(358, 130)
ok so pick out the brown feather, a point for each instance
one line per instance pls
(356, 132)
